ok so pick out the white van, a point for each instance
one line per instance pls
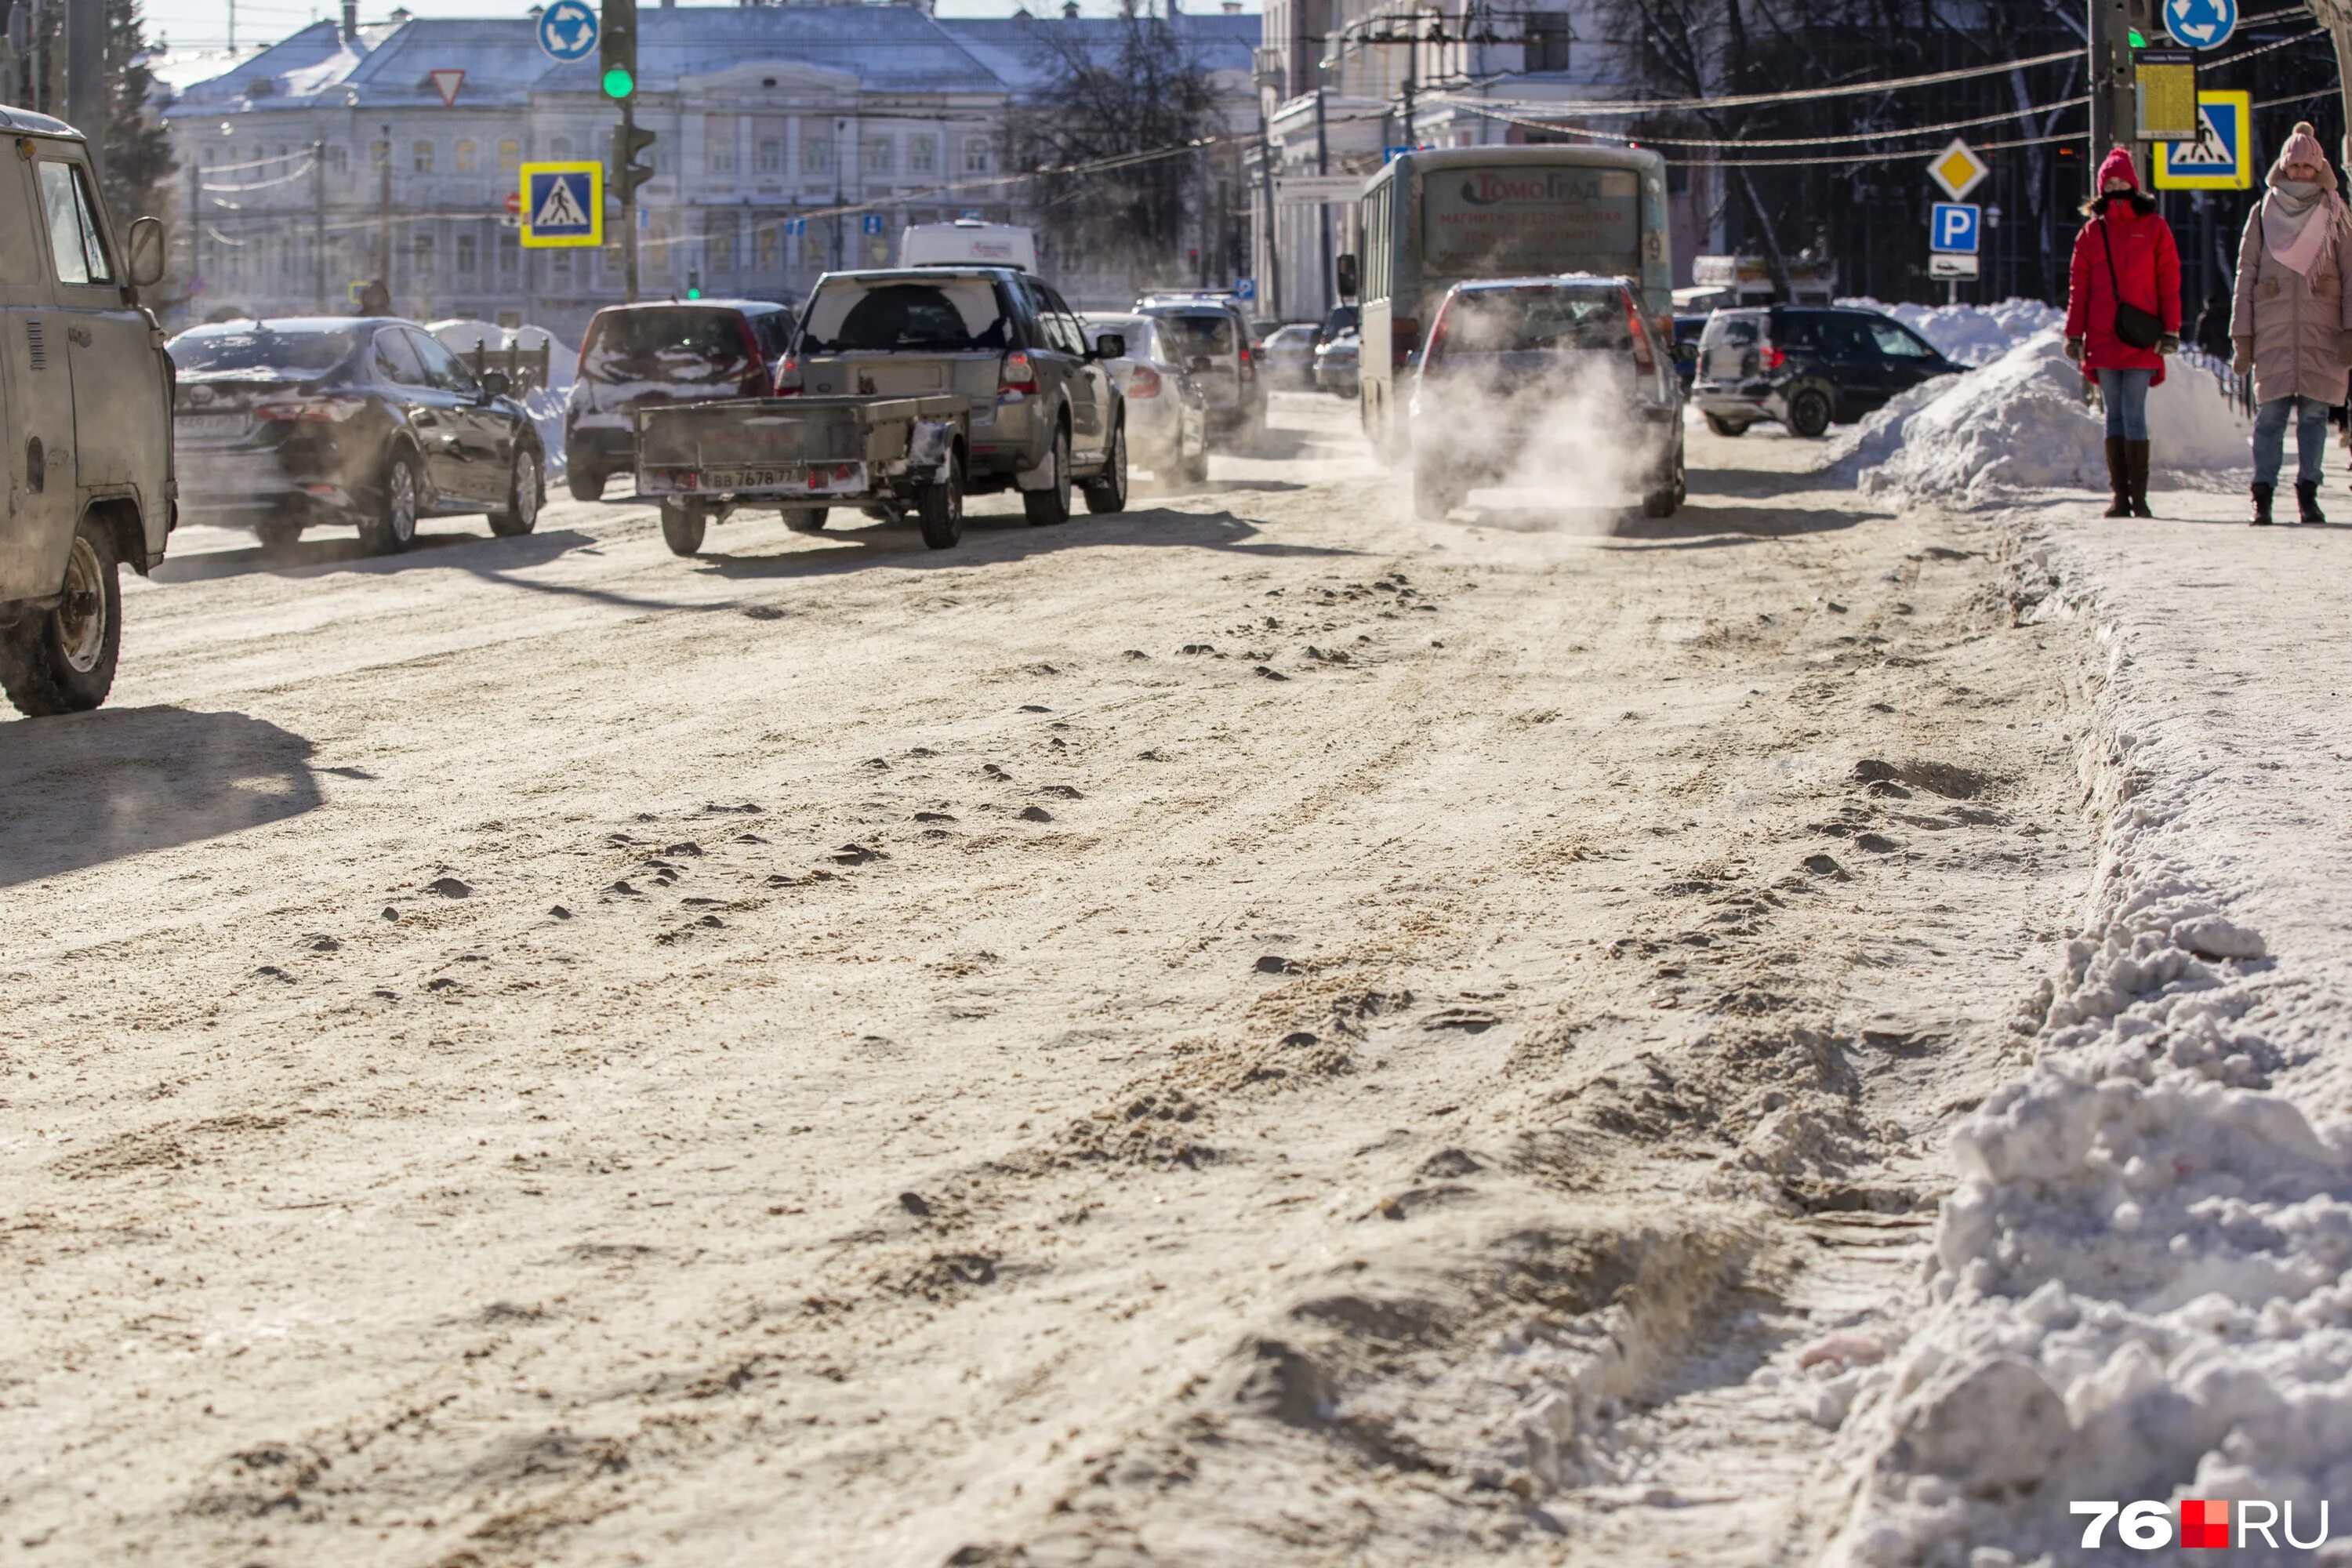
(967, 242)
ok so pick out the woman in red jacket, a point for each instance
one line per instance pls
(2124, 255)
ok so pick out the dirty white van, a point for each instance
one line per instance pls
(968, 242)
(86, 482)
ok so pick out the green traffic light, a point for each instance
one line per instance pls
(2137, 41)
(694, 293)
(619, 83)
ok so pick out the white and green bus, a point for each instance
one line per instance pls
(1445, 216)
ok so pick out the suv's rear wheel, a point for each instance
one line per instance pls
(393, 529)
(1809, 413)
(682, 528)
(805, 518)
(1722, 427)
(587, 483)
(1052, 504)
(1107, 491)
(1665, 497)
(63, 661)
(939, 507)
(521, 513)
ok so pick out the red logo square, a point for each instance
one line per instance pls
(2204, 1524)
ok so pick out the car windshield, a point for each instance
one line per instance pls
(1518, 320)
(668, 343)
(258, 352)
(851, 315)
(1207, 333)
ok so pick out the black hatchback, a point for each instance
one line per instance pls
(299, 422)
(1806, 366)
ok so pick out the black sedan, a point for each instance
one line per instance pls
(284, 425)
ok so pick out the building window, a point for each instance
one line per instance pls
(770, 248)
(420, 157)
(509, 256)
(719, 143)
(465, 256)
(770, 158)
(466, 159)
(975, 155)
(509, 156)
(559, 148)
(922, 154)
(284, 156)
(379, 154)
(878, 155)
(722, 242)
(424, 256)
(1547, 40)
(816, 154)
(338, 159)
(654, 253)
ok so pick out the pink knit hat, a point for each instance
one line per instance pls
(2118, 166)
(2301, 146)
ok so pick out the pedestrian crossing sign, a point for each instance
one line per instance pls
(2221, 158)
(562, 205)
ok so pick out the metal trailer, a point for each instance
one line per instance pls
(898, 455)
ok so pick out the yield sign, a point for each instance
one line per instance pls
(1957, 169)
(447, 82)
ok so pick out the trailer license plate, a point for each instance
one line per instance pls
(749, 479)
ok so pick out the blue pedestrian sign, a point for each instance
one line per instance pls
(872, 223)
(2200, 24)
(567, 30)
(562, 205)
(796, 226)
(2216, 160)
(1953, 228)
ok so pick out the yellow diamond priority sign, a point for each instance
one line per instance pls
(1957, 169)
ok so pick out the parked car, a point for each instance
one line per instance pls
(85, 406)
(1212, 340)
(306, 421)
(1289, 356)
(1336, 362)
(664, 352)
(1047, 416)
(1502, 354)
(1807, 366)
(1167, 413)
(1688, 329)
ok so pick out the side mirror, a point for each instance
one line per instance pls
(1110, 345)
(495, 384)
(1345, 268)
(146, 252)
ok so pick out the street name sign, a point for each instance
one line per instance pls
(1951, 268)
(2166, 82)
(1953, 227)
(1317, 190)
(562, 205)
(1957, 169)
(2218, 159)
(567, 31)
(2200, 24)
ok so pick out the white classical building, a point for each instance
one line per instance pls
(331, 158)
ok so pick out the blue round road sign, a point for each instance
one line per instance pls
(2200, 24)
(567, 30)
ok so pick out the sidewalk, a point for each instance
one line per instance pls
(2141, 1288)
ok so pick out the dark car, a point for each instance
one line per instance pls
(1806, 366)
(287, 424)
(1504, 356)
(664, 352)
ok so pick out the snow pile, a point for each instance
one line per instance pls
(2022, 424)
(544, 404)
(1971, 334)
(2142, 1287)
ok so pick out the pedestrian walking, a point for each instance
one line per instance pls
(2292, 318)
(2123, 316)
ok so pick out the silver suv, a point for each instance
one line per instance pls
(85, 419)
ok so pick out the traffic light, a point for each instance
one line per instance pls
(628, 141)
(619, 44)
(694, 283)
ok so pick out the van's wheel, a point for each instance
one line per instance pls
(393, 528)
(1052, 504)
(63, 661)
(1722, 427)
(682, 528)
(939, 507)
(1434, 495)
(523, 496)
(278, 534)
(587, 483)
(805, 518)
(1107, 490)
(1809, 413)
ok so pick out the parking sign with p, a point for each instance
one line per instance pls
(1953, 227)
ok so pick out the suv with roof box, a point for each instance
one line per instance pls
(661, 352)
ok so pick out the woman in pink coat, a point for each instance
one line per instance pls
(2292, 316)
(2123, 256)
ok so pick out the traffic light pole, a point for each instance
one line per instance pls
(628, 189)
(2115, 86)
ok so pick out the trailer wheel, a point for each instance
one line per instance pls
(805, 518)
(682, 528)
(587, 483)
(939, 507)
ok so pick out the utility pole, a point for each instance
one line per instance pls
(383, 212)
(195, 219)
(1273, 254)
(86, 76)
(2114, 84)
(1323, 209)
(318, 220)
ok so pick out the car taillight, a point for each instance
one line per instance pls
(1017, 375)
(755, 372)
(1643, 357)
(788, 377)
(1404, 336)
(1773, 358)
(1142, 382)
(1437, 337)
(1249, 366)
(309, 410)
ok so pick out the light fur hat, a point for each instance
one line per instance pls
(2301, 146)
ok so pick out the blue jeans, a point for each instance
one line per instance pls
(2124, 392)
(2310, 417)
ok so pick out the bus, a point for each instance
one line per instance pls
(1437, 216)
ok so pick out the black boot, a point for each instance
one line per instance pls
(2118, 479)
(2136, 470)
(2306, 503)
(2262, 518)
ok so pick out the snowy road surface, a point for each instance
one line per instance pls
(1253, 1031)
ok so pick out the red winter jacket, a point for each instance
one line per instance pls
(2149, 267)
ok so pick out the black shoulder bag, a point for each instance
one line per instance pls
(2140, 329)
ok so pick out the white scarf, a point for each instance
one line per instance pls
(2288, 232)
